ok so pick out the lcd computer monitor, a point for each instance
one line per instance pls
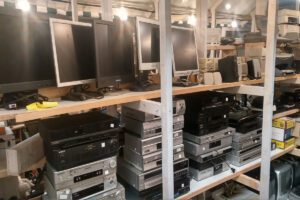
(114, 52)
(185, 59)
(26, 61)
(73, 50)
(148, 43)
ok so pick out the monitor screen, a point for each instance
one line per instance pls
(114, 52)
(184, 51)
(148, 44)
(74, 55)
(26, 61)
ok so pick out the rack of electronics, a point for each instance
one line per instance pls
(82, 150)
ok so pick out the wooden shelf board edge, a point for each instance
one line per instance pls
(286, 113)
(240, 171)
(248, 181)
(23, 115)
(3, 173)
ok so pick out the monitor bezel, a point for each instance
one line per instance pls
(28, 85)
(58, 81)
(186, 72)
(101, 81)
(145, 66)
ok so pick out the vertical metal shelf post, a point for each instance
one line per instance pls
(166, 98)
(268, 100)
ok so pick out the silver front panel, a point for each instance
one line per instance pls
(238, 137)
(74, 177)
(109, 182)
(199, 149)
(209, 137)
(204, 174)
(247, 143)
(149, 145)
(211, 155)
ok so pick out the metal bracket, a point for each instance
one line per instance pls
(246, 89)
(151, 107)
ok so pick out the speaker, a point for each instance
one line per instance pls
(254, 69)
(229, 69)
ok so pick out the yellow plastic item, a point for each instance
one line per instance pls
(43, 105)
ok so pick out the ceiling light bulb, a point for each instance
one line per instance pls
(122, 13)
(23, 5)
(192, 20)
(234, 24)
(228, 6)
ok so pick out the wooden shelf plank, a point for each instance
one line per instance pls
(286, 113)
(202, 186)
(221, 47)
(3, 173)
(69, 107)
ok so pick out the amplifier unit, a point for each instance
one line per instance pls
(209, 119)
(239, 137)
(150, 161)
(240, 158)
(201, 171)
(80, 175)
(82, 191)
(149, 145)
(211, 155)
(150, 128)
(83, 149)
(209, 137)
(145, 180)
(199, 149)
(247, 143)
(244, 121)
(178, 109)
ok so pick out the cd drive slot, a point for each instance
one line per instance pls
(87, 192)
(215, 144)
(88, 176)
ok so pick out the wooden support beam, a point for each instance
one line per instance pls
(106, 10)
(261, 7)
(246, 89)
(248, 181)
(213, 12)
(201, 27)
(268, 100)
(74, 10)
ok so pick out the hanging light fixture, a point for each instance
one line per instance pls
(122, 13)
(23, 5)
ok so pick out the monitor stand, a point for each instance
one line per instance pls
(115, 90)
(19, 100)
(184, 81)
(80, 93)
(143, 84)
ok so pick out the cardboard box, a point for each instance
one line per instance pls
(281, 134)
(284, 145)
(296, 130)
(284, 123)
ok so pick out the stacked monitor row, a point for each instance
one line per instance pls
(37, 50)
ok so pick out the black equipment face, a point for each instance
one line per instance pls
(75, 53)
(114, 52)
(184, 48)
(26, 61)
(149, 39)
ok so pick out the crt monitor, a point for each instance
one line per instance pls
(26, 61)
(185, 59)
(148, 43)
(114, 52)
(73, 50)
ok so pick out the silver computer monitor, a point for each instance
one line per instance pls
(185, 58)
(73, 52)
(148, 43)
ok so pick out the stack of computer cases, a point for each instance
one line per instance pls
(81, 157)
(207, 135)
(141, 165)
(247, 139)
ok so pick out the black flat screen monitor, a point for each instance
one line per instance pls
(26, 61)
(114, 52)
(185, 60)
(73, 50)
(148, 43)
